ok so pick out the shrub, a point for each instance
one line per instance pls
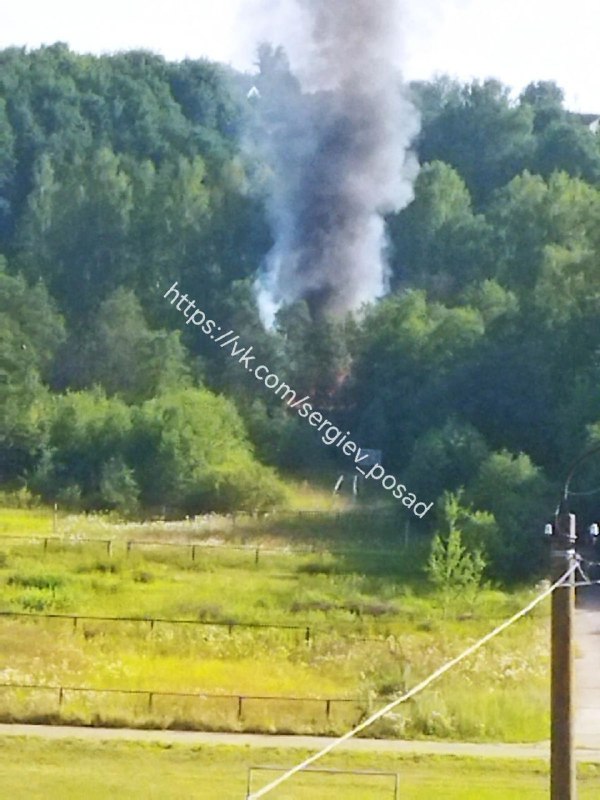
(518, 495)
(312, 605)
(191, 453)
(316, 568)
(35, 602)
(143, 577)
(118, 488)
(40, 581)
(452, 569)
(20, 498)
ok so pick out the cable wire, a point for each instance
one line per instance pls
(583, 573)
(417, 689)
(590, 563)
(574, 466)
(583, 494)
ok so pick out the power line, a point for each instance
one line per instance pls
(587, 581)
(416, 690)
(590, 563)
(583, 494)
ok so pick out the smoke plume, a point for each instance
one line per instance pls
(338, 145)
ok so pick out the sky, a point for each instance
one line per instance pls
(517, 41)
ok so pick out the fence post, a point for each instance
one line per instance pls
(307, 635)
(193, 552)
(328, 709)
(74, 624)
(45, 545)
(129, 546)
(257, 556)
(109, 548)
(240, 702)
(150, 700)
(60, 696)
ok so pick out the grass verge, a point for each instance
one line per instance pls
(36, 769)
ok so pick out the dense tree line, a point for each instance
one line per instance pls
(478, 374)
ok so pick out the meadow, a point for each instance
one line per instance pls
(376, 627)
(76, 770)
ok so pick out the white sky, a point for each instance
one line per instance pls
(516, 41)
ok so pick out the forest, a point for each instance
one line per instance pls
(477, 375)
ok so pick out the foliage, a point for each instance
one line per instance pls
(452, 568)
(123, 355)
(122, 174)
(516, 493)
(192, 453)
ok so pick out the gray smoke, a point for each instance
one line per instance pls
(339, 151)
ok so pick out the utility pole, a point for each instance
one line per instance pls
(563, 780)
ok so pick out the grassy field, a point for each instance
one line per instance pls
(26, 522)
(32, 769)
(500, 694)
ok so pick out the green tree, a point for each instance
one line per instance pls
(75, 230)
(446, 458)
(438, 243)
(519, 496)
(191, 453)
(121, 353)
(531, 214)
(88, 441)
(547, 100)
(451, 568)
(483, 135)
(568, 146)
(7, 173)
(31, 332)
(118, 487)
(409, 348)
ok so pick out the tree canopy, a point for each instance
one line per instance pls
(122, 174)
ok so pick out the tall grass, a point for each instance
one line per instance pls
(344, 598)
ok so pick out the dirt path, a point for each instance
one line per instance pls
(587, 668)
(515, 751)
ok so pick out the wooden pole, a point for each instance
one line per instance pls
(563, 780)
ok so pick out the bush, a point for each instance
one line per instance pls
(40, 581)
(35, 602)
(118, 488)
(452, 568)
(143, 577)
(186, 450)
(518, 495)
(192, 454)
(317, 568)
(19, 498)
(89, 434)
(445, 459)
(106, 567)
